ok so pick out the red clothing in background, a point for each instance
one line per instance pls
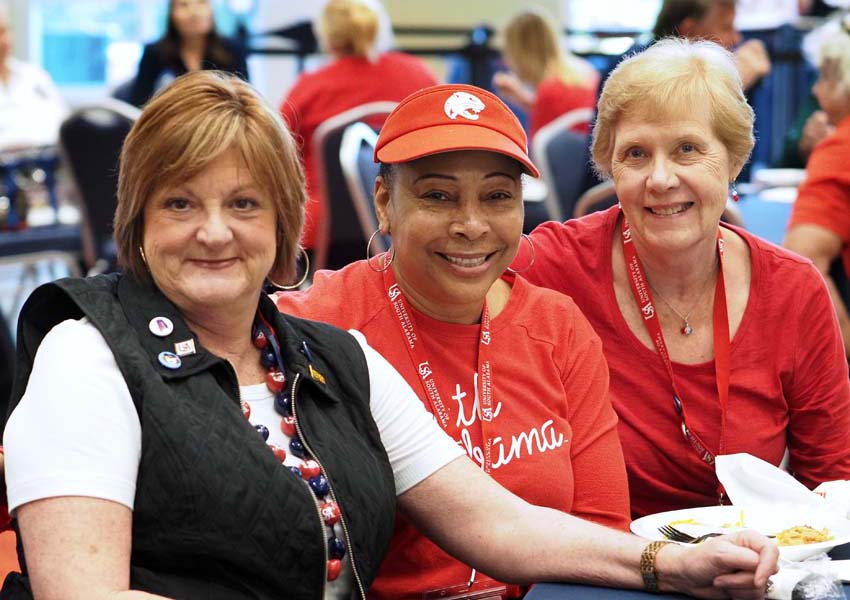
(554, 98)
(556, 441)
(824, 196)
(789, 383)
(345, 83)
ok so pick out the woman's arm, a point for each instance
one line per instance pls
(72, 447)
(818, 391)
(78, 548)
(486, 526)
(601, 489)
(822, 246)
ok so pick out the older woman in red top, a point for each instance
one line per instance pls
(717, 341)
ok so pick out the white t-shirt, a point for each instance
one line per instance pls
(76, 431)
(31, 108)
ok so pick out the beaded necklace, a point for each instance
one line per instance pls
(310, 471)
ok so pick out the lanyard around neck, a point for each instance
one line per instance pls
(643, 297)
(428, 378)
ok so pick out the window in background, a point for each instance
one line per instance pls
(99, 42)
(610, 15)
(583, 17)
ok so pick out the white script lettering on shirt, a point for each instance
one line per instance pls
(504, 451)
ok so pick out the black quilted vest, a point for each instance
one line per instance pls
(216, 516)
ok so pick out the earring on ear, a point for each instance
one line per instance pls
(142, 254)
(734, 190)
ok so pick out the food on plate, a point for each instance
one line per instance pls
(802, 534)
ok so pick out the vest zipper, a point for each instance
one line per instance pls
(333, 497)
(307, 485)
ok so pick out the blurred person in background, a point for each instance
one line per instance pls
(450, 194)
(717, 341)
(190, 43)
(714, 20)
(31, 108)
(358, 74)
(545, 80)
(819, 228)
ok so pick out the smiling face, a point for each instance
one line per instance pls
(455, 220)
(671, 178)
(192, 17)
(210, 241)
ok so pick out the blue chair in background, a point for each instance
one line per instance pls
(563, 157)
(341, 239)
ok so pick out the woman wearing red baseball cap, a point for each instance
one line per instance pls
(514, 373)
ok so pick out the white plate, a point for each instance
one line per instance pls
(767, 520)
(779, 177)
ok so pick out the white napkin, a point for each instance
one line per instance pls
(750, 481)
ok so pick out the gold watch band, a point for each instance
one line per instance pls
(647, 565)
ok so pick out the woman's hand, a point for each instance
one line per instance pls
(817, 127)
(753, 62)
(733, 566)
(509, 87)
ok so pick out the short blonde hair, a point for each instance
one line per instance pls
(348, 28)
(667, 80)
(533, 46)
(834, 58)
(181, 131)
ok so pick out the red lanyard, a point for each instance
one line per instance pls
(428, 379)
(640, 290)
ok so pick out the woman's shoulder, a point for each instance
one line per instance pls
(348, 298)
(779, 269)
(547, 314)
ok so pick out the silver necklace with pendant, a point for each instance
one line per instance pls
(686, 329)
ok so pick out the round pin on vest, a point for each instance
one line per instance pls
(169, 360)
(161, 326)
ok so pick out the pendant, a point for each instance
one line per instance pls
(687, 329)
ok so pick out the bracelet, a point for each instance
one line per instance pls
(647, 565)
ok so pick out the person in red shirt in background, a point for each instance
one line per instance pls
(509, 367)
(708, 330)
(348, 30)
(545, 81)
(820, 222)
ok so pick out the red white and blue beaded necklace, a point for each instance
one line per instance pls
(309, 470)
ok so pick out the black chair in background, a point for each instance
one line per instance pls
(842, 281)
(7, 368)
(563, 157)
(91, 139)
(340, 239)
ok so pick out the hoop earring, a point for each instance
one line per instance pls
(300, 281)
(142, 254)
(386, 263)
(533, 255)
(735, 196)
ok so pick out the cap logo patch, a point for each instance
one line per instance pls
(463, 104)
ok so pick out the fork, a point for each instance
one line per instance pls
(676, 535)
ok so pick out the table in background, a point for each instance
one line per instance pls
(765, 218)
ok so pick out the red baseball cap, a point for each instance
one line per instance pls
(445, 118)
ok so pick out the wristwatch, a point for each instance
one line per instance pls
(647, 565)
